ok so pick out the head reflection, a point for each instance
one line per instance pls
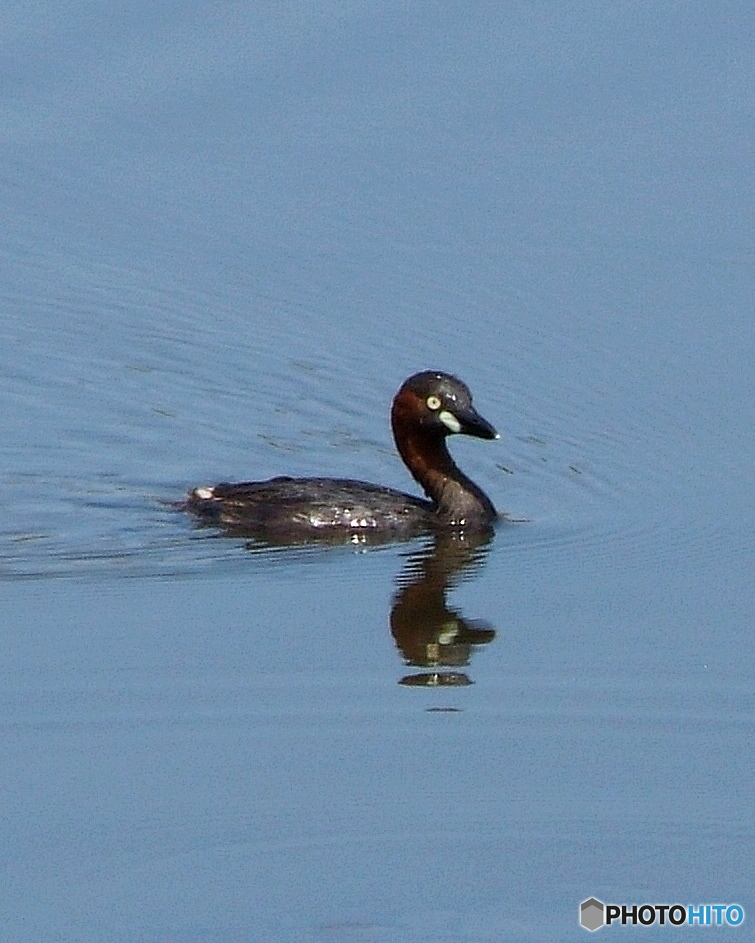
(428, 633)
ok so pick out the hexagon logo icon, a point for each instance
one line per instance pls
(592, 914)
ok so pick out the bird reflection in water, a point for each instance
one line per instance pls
(428, 633)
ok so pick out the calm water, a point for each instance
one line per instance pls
(229, 234)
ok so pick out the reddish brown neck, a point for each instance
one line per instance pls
(457, 498)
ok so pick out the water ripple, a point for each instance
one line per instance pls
(122, 390)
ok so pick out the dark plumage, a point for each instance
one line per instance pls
(428, 408)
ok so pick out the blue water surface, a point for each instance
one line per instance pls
(230, 232)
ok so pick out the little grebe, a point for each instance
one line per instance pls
(429, 407)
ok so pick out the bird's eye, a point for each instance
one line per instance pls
(433, 402)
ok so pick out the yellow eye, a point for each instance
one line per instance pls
(433, 402)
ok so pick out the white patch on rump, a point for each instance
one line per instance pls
(204, 493)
